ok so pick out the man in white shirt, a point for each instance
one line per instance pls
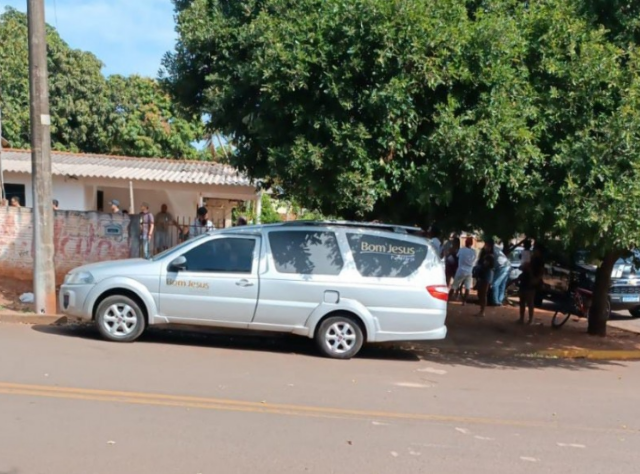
(466, 260)
(201, 224)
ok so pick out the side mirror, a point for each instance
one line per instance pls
(179, 264)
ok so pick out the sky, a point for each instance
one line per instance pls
(128, 36)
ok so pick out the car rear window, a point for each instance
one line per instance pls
(306, 252)
(384, 257)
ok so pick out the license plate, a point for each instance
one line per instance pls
(631, 299)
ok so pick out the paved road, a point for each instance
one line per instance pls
(196, 403)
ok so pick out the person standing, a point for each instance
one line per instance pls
(15, 202)
(134, 234)
(433, 233)
(163, 222)
(451, 259)
(485, 273)
(201, 224)
(531, 280)
(466, 261)
(115, 206)
(525, 257)
(56, 205)
(241, 221)
(147, 227)
(500, 278)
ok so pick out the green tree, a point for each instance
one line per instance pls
(268, 215)
(502, 115)
(143, 121)
(621, 18)
(90, 113)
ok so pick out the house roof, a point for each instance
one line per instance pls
(121, 167)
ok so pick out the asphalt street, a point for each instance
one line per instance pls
(188, 403)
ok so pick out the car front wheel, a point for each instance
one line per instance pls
(120, 318)
(339, 337)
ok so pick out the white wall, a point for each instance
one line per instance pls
(69, 193)
(180, 203)
(182, 199)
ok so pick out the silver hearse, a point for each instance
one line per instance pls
(340, 283)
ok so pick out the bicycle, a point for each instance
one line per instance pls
(579, 306)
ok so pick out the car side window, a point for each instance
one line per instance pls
(306, 252)
(226, 255)
(383, 257)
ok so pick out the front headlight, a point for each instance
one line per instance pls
(78, 278)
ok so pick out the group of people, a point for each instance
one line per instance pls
(15, 202)
(491, 270)
(157, 229)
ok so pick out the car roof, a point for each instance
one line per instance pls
(393, 228)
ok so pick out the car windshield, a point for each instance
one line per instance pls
(177, 249)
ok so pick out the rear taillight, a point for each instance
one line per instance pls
(439, 292)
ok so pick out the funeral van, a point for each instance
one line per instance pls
(342, 284)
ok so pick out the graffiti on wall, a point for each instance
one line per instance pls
(79, 238)
(90, 234)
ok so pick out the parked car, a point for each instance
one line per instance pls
(341, 283)
(562, 275)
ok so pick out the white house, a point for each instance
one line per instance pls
(84, 182)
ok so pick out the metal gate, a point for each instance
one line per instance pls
(167, 234)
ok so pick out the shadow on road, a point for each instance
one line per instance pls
(229, 339)
(516, 361)
(443, 352)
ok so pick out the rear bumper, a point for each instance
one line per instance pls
(433, 335)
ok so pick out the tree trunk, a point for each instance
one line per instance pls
(599, 314)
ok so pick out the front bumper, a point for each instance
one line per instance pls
(73, 299)
(622, 302)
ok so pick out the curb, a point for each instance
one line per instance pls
(590, 354)
(30, 318)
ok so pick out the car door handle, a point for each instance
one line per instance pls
(244, 283)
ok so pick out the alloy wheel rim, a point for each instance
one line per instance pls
(120, 320)
(340, 337)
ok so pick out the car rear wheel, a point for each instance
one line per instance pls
(120, 319)
(339, 337)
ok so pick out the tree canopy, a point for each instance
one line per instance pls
(504, 115)
(90, 113)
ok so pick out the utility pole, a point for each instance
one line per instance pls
(1, 169)
(44, 284)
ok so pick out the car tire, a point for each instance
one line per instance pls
(635, 312)
(120, 319)
(339, 337)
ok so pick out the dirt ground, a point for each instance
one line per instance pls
(498, 331)
(10, 291)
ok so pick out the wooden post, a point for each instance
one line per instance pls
(132, 206)
(259, 207)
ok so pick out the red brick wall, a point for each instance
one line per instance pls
(79, 238)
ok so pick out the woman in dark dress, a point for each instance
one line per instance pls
(530, 283)
(484, 274)
(451, 260)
